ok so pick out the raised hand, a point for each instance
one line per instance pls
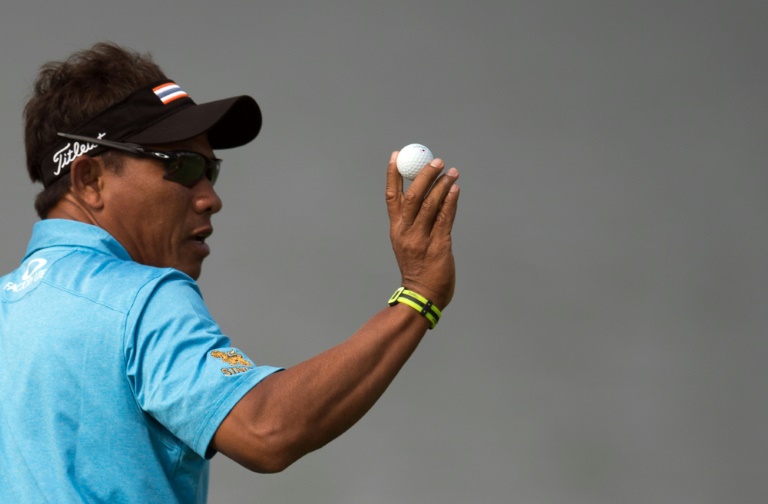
(421, 220)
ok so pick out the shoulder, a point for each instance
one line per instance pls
(111, 281)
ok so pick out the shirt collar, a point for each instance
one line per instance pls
(68, 233)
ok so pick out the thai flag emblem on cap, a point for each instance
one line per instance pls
(169, 91)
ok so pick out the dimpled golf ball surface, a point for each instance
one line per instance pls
(412, 159)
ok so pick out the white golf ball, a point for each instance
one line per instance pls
(412, 159)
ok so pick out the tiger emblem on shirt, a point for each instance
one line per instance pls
(237, 362)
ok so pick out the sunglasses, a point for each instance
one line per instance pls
(183, 167)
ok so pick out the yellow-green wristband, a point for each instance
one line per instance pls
(418, 303)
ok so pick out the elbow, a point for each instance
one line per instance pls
(273, 451)
(262, 462)
(268, 463)
(272, 466)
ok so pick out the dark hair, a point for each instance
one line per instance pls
(68, 93)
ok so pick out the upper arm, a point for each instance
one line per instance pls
(249, 435)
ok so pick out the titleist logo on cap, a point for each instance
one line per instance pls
(62, 158)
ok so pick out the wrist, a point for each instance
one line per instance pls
(421, 304)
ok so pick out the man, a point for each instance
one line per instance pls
(117, 384)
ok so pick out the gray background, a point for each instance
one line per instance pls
(607, 341)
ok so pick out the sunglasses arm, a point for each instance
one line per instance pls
(126, 147)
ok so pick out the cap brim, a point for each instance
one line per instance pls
(230, 122)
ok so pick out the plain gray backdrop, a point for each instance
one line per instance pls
(607, 341)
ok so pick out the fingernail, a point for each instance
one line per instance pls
(393, 157)
(453, 172)
(454, 188)
(437, 162)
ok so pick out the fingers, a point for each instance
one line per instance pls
(431, 207)
(438, 209)
(443, 222)
(394, 191)
(415, 198)
(430, 199)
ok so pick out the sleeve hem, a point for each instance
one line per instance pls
(221, 410)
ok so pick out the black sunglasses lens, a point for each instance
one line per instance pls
(212, 172)
(188, 168)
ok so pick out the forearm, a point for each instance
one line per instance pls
(298, 410)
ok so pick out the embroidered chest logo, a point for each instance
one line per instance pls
(236, 361)
(34, 273)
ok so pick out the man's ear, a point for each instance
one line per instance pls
(87, 181)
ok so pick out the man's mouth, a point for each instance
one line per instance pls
(203, 235)
(199, 240)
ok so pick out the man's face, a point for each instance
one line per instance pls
(160, 222)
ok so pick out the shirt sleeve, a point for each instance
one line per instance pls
(185, 373)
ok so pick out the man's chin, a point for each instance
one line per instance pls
(191, 268)
(193, 260)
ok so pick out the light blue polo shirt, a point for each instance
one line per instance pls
(113, 375)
